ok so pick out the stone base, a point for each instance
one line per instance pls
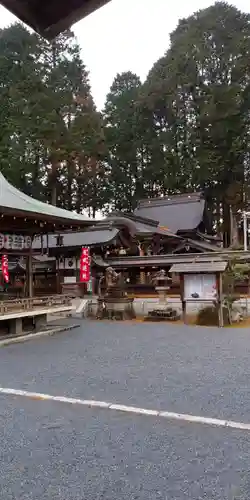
(16, 326)
(40, 321)
(115, 309)
(166, 314)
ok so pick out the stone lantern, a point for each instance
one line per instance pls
(163, 311)
(162, 281)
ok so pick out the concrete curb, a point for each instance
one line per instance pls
(37, 335)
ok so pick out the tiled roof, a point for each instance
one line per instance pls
(174, 213)
(78, 239)
(14, 200)
(199, 267)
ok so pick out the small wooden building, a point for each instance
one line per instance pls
(201, 283)
(23, 217)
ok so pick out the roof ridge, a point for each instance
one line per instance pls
(143, 220)
(171, 200)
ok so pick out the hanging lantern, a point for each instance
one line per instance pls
(5, 268)
(84, 266)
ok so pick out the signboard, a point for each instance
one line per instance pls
(15, 242)
(68, 280)
(5, 268)
(84, 266)
(67, 263)
(200, 286)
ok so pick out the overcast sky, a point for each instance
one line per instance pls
(127, 35)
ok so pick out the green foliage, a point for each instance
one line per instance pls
(123, 139)
(209, 316)
(186, 128)
(235, 272)
(52, 136)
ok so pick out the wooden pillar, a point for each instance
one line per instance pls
(184, 311)
(142, 273)
(183, 299)
(58, 276)
(29, 274)
(220, 309)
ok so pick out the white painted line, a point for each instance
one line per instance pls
(183, 417)
(132, 409)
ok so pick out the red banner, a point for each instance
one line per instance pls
(84, 266)
(5, 268)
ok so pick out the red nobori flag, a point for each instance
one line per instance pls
(84, 266)
(5, 268)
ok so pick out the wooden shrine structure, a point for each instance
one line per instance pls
(23, 217)
(138, 244)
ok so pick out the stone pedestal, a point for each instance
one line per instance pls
(162, 311)
(162, 293)
(114, 304)
(16, 326)
(40, 321)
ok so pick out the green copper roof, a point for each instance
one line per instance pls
(13, 199)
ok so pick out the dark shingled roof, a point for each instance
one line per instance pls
(199, 245)
(176, 213)
(50, 17)
(160, 260)
(104, 232)
(142, 226)
(78, 239)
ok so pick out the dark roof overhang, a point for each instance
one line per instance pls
(170, 259)
(198, 245)
(90, 238)
(199, 267)
(50, 17)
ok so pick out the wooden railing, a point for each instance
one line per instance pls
(9, 306)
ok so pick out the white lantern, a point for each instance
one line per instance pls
(27, 242)
(8, 244)
(1, 241)
(18, 242)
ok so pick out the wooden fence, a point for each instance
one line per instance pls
(43, 302)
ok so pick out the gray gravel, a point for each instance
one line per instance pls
(55, 452)
(203, 371)
(59, 452)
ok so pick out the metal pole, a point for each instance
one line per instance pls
(245, 230)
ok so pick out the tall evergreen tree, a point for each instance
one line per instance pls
(124, 140)
(198, 93)
(45, 117)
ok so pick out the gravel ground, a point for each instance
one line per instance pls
(203, 371)
(52, 451)
(59, 452)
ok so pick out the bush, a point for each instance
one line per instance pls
(208, 316)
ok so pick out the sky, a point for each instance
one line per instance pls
(127, 35)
